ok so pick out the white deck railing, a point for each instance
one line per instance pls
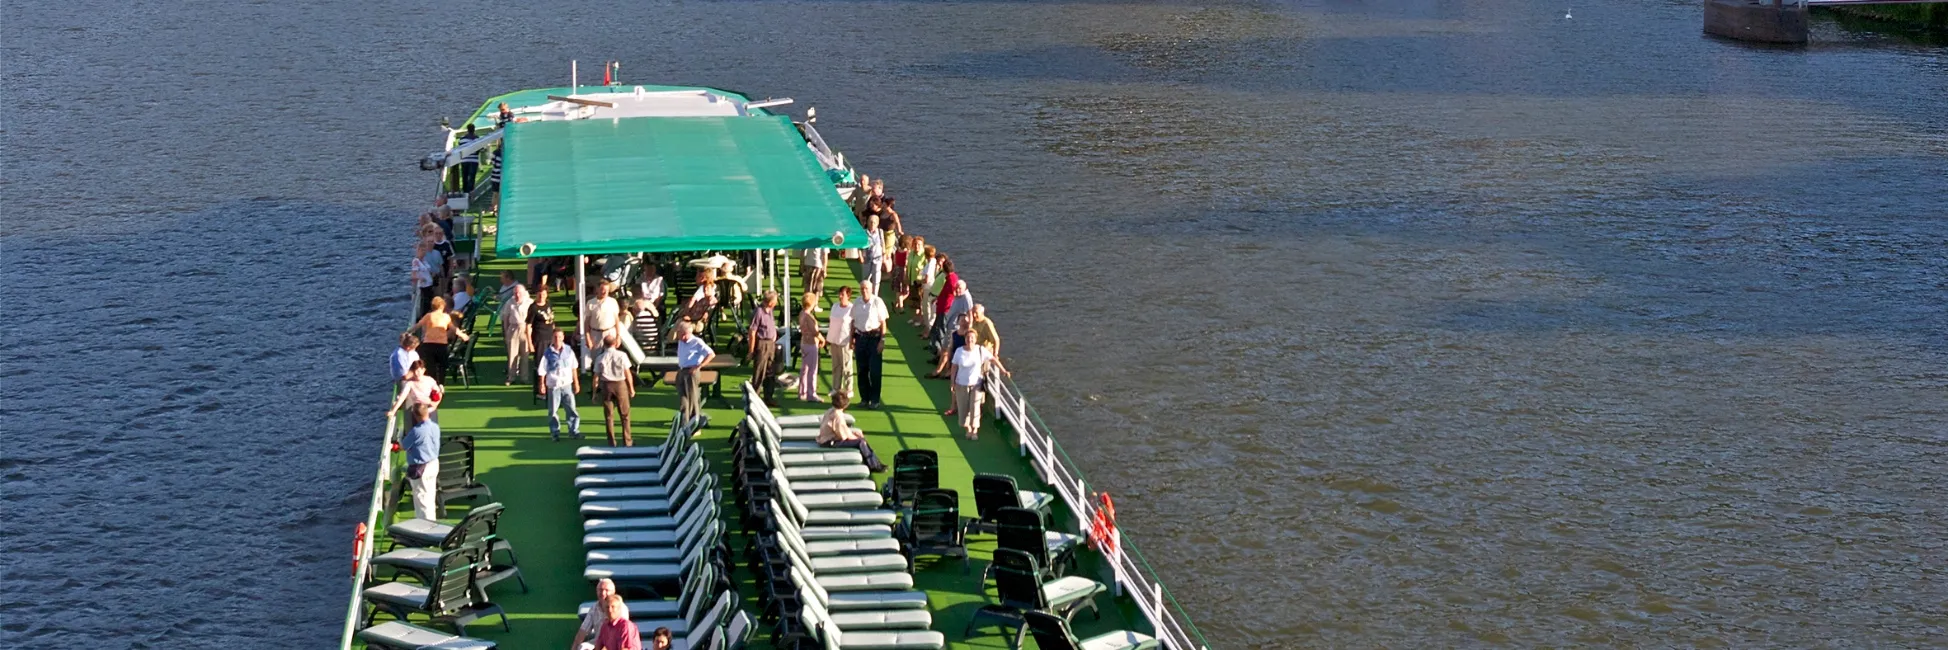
(361, 562)
(1133, 575)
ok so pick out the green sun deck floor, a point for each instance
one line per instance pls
(533, 476)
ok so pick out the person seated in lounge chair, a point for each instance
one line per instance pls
(617, 632)
(834, 432)
(596, 616)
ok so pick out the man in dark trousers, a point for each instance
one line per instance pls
(868, 342)
(762, 349)
(470, 163)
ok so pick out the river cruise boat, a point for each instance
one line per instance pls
(734, 528)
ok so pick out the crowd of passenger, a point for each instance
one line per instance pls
(624, 310)
(924, 288)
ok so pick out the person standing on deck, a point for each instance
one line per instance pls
(984, 334)
(762, 348)
(971, 363)
(890, 220)
(809, 344)
(869, 342)
(469, 163)
(416, 390)
(596, 616)
(494, 175)
(834, 432)
(956, 317)
(838, 338)
(899, 272)
(915, 263)
(422, 445)
(404, 356)
(922, 288)
(560, 372)
(942, 295)
(423, 260)
(505, 118)
(875, 254)
(436, 328)
(514, 330)
(813, 266)
(692, 354)
(604, 316)
(615, 385)
(873, 191)
(541, 328)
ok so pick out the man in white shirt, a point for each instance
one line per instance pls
(875, 261)
(603, 318)
(559, 372)
(838, 337)
(692, 354)
(615, 381)
(868, 342)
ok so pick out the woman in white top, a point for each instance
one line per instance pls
(423, 274)
(415, 389)
(971, 362)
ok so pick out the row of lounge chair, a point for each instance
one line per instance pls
(840, 555)
(651, 523)
(830, 572)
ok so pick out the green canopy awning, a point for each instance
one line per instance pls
(656, 184)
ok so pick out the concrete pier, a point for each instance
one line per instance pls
(1762, 21)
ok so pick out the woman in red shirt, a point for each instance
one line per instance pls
(941, 303)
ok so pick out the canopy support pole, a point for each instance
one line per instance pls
(581, 303)
(785, 301)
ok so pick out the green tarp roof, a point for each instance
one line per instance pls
(655, 184)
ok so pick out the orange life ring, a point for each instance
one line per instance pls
(358, 546)
(1102, 527)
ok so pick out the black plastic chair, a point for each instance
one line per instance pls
(992, 492)
(914, 471)
(480, 528)
(457, 482)
(1053, 633)
(460, 362)
(454, 596)
(1019, 589)
(1021, 529)
(934, 527)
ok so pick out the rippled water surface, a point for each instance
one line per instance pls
(1406, 324)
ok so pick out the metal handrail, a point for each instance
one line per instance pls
(361, 564)
(1133, 575)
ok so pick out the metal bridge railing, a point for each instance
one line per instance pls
(1133, 574)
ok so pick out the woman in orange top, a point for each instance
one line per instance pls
(435, 330)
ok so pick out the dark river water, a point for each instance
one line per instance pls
(1401, 324)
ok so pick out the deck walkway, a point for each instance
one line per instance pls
(532, 477)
